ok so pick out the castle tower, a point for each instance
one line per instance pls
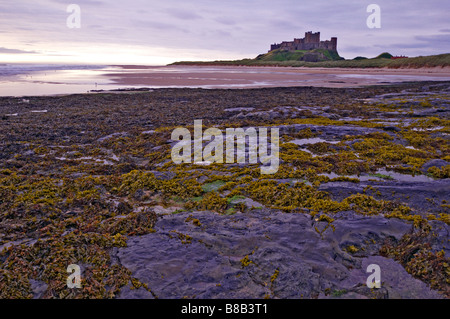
(312, 37)
(308, 37)
(334, 43)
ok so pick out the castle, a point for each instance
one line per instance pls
(311, 41)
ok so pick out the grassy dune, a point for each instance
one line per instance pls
(441, 60)
(298, 55)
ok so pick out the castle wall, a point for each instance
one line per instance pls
(311, 41)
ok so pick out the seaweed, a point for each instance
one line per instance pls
(73, 191)
(415, 253)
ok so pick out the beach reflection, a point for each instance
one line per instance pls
(30, 79)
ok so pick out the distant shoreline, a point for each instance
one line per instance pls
(441, 60)
(435, 68)
(230, 76)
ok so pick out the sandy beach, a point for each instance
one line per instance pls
(33, 80)
(255, 77)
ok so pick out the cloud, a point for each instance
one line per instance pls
(441, 38)
(233, 26)
(81, 2)
(15, 51)
(225, 21)
(183, 14)
(437, 41)
(285, 24)
(158, 25)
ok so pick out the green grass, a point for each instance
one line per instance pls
(281, 55)
(230, 211)
(339, 293)
(384, 55)
(235, 199)
(441, 60)
(197, 199)
(369, 63)
(178, 211)
(288, 59)
(381, 176)
(209, 187)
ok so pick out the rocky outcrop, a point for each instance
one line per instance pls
(266, 254)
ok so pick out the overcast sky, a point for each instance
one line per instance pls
(160, 32)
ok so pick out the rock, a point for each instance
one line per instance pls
(333, 116)
(202, 179)
(38, 287)
(138, 194)
(395, 281)
(434, 162)
(248, 202)
(391, 128)
(121, 208)
(313, 57)
(181, 259)
(441, 236)
(101, 189)
(140, 293)
(414, 194)
(358, 140)
(107, 137)
(239, 109)
(329, 131)
(164, 175)
(29, 153)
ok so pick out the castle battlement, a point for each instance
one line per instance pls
(311, 41)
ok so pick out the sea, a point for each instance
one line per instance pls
(26, 79)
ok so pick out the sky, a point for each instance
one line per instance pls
(155, 32)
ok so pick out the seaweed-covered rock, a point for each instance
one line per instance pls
(396, 283)
(434, 162)
(260, 254)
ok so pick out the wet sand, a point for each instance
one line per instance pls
(39, 81)
(257, 77)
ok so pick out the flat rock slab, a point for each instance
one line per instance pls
(396, 283)
(328, 131)
(286, 256)
(423, 197)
